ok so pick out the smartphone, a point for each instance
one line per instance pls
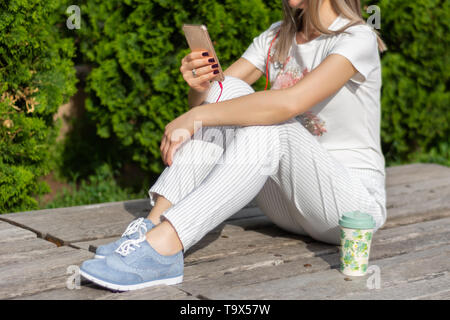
(198, 38)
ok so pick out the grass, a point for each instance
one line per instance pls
(97, 188)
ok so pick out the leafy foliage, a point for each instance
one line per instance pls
(97, 188)
(135, 47)
(416, 71)
(36, 77)
(136, 87)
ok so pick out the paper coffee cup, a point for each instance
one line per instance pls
(356, 237)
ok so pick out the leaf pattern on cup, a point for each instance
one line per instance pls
(348, 244)
(354, 253)
(364, 267)
(361, 246)
(354, 266)
(348, 258)
(357, 234)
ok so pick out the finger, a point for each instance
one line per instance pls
(174, 143)
(202, 78)
(163, 141)
(166, 148)
(197, 54)
(202, 64)
(195, 60)
(171, 152)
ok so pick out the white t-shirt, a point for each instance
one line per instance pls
(347, 124)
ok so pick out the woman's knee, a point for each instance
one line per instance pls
(232, 88)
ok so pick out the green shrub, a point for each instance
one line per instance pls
(416, 69)
(97, 188)
(136, 87)
(136, 48)
(36, 77)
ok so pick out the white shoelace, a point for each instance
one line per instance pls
(129, 246)
(134, 226)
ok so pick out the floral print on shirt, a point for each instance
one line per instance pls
(289, 76)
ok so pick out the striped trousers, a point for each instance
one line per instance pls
(295, 181)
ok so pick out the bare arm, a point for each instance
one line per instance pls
(274, 106)
(263, 107)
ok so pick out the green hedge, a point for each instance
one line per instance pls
(136, 87)
(136, 48)
(416, 70)
(100, 187)
(36, 77)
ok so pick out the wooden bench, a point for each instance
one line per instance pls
(246, 257)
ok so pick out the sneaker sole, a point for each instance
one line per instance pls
(119, 287)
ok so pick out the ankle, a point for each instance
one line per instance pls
(154, 219)
(164, 239)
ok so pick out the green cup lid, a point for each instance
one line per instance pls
(357, 220)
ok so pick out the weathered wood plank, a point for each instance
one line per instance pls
(10, 233)
(24, 250)
(331, 284)
(233, 241)
(153, 293)
(275, 263)
(414, 232)
(223, 230)
(410, 173)
(443, 295)
(17, 244)
(211, 248)
(241, 244)
(428, 185)
(246, 250)
(417, 192)
(39, 273)
(412, 289)
(23, 246)
(418, 207)
(291, 260)
(86, 291)
(91, 245)
(82, 223)
(89, 291)
(417, 196)
(237, 237)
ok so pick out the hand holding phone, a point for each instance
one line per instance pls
(207, 68)
(204, 71)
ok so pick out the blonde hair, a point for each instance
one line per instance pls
(308, 20)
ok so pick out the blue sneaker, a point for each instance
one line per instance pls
(134, 265)
(134, 231)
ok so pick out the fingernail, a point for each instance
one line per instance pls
(215, 66)
(211, 60)
(216, 71)
(204, 54)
